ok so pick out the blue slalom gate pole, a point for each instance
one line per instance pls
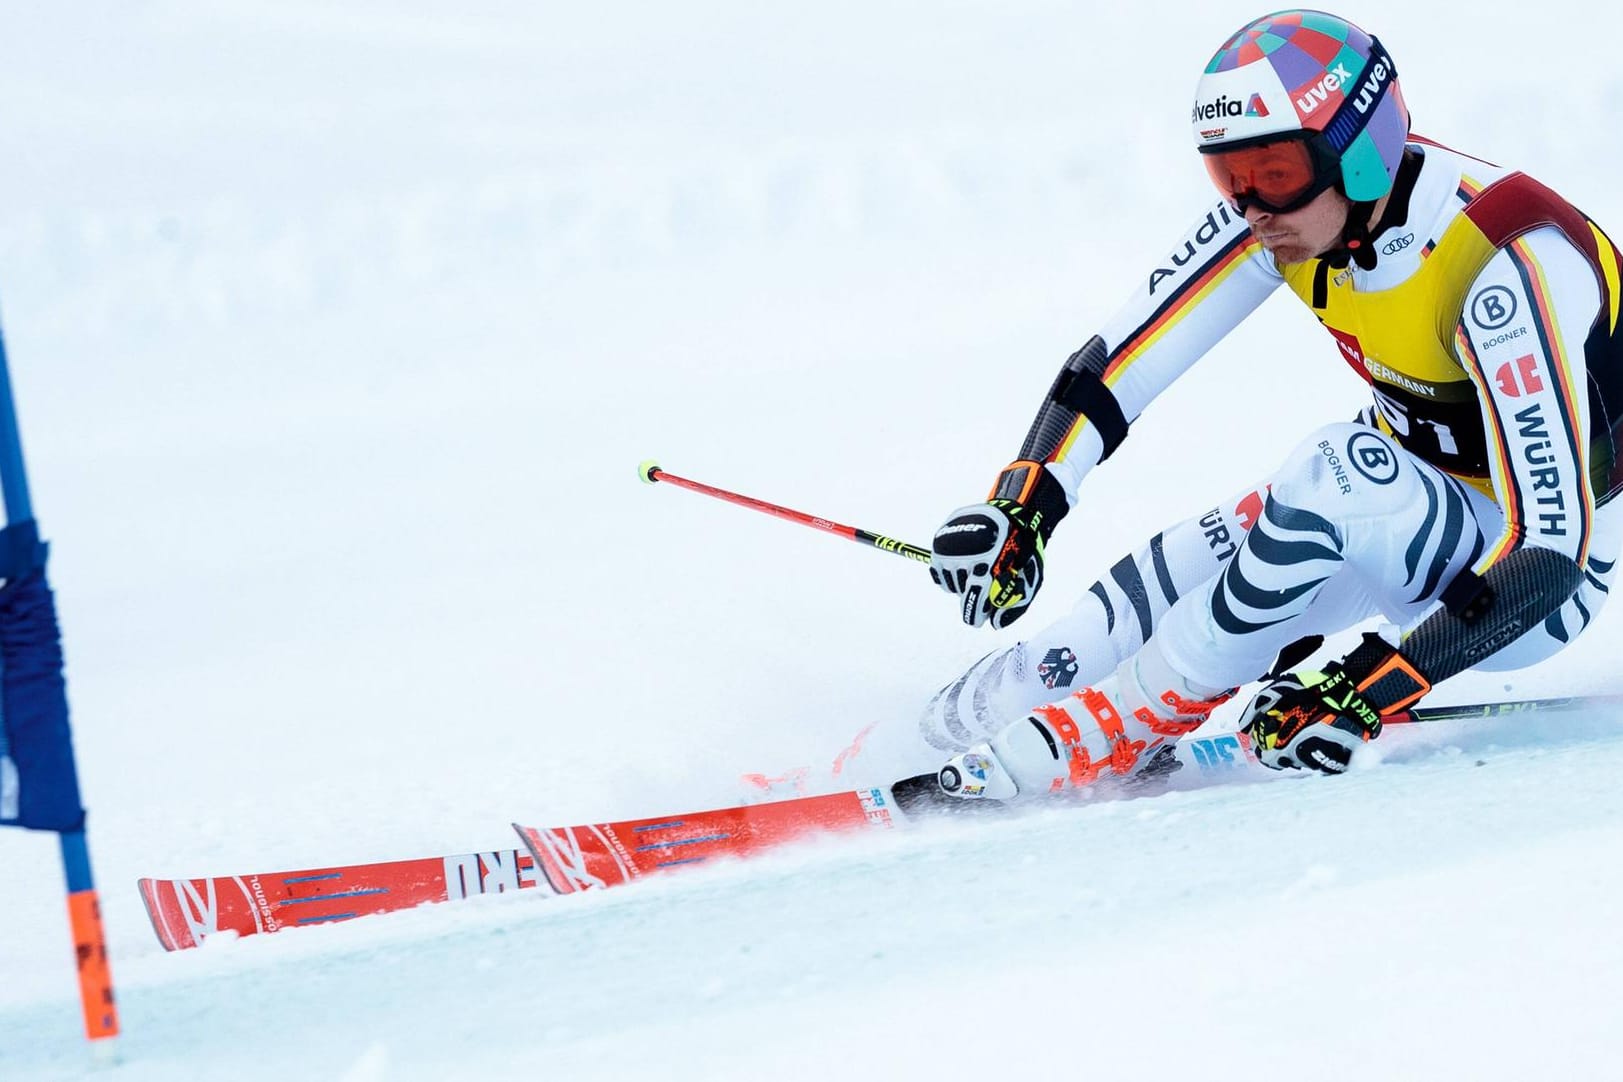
(39, 786)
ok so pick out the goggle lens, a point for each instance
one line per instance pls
(1278, 177)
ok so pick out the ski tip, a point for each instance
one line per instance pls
(531, 837)
(646, 469)
(528, 836)
(156, 913)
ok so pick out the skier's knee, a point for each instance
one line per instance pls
(1338, 463)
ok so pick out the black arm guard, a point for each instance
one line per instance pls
(1480, 616)
(1489, 613)
(1078, 392)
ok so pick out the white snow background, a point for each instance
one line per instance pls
(338, 331)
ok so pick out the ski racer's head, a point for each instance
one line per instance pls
(1301, 124)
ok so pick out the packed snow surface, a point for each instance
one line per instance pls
(338, 331)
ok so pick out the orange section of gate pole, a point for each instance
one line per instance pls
(95, 975)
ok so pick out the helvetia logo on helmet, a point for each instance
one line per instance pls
(1226, 106)
(1212, 110)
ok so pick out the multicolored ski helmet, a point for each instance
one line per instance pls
(1295, 103)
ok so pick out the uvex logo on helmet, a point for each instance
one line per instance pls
(1316, 94)
(1226, 106)
(1369, 91)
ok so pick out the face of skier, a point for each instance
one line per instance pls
(1302, 234)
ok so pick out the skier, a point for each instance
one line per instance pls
(1471, 504)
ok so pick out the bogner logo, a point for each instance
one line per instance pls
(1369, 91)
(1317, 94)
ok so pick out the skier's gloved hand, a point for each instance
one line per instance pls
(1316, 720)
(991, 554)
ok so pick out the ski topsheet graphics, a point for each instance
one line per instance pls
(187, 912)
(599, 855)
(594, 856)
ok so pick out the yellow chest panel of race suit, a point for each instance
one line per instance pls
(1401, 340)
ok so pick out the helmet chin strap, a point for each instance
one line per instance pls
(1357, 242)
(1356, 245)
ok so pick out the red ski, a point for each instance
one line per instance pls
(599, 855)
(186, 912)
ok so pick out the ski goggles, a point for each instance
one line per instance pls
(1273, 174)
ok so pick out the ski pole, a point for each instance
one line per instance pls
(1466, 711)
(650, 472)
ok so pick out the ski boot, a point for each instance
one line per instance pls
(1112, 729)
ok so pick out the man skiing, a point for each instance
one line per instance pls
(1471, 505)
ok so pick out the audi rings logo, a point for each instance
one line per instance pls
(1392, 247)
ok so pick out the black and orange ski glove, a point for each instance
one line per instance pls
(990, 555)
